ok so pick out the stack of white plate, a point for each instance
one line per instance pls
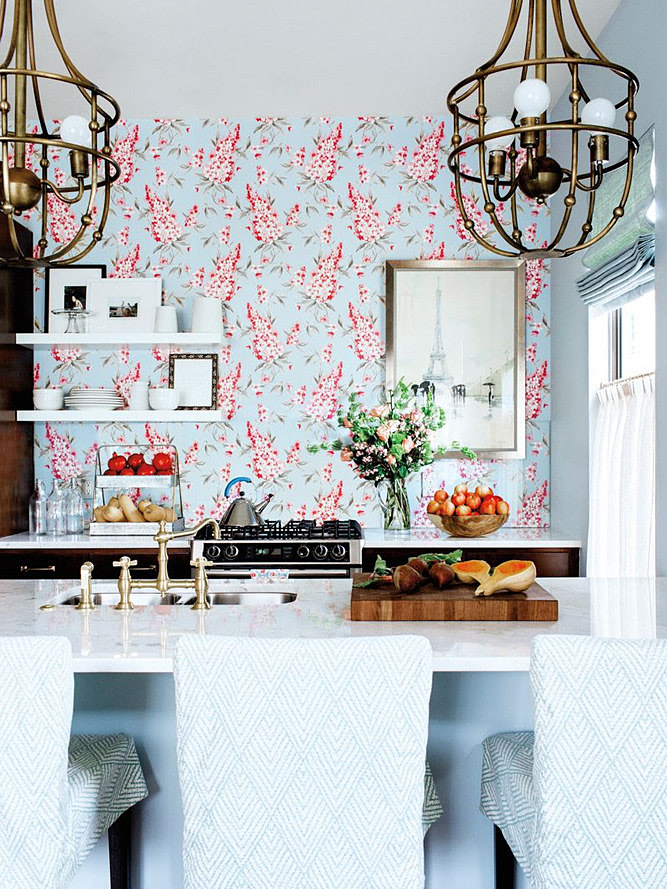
(80, 399)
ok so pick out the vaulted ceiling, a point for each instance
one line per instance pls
(170, 58)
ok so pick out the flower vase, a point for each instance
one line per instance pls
(395, 505)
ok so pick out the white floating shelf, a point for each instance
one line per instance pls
(102, 416)
(148, 340)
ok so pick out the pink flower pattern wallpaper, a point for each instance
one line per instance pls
(288, 223)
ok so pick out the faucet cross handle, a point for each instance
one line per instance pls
(124, 583)
(201, 602)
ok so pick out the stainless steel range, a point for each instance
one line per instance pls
(332, 549)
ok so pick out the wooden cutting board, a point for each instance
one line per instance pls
(455, 602)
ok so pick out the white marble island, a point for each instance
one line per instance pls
(143, 641)
(123, 683)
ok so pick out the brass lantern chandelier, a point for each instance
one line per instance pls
(485, 149)
(28, 177)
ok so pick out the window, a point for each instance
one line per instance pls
(632, 338)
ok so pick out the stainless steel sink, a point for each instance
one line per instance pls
(251, 598)
(111, 598)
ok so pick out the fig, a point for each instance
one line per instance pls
(441, 575)
(419, 565)
(406, 579)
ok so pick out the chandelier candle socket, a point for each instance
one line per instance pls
(27, 179)
(484, 147)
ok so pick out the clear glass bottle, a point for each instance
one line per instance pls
(37, 509)
(74, 509)
(55, 511)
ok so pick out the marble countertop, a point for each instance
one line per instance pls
(505, 537)
(142, 641)
(85, 541)
(510, 538)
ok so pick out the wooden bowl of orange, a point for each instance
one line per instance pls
(468, 513)
(468, 526)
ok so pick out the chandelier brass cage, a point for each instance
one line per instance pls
(505, 170)
(28, 173)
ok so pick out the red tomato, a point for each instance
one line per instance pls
(117, 463)
(146, 469)
(483, 491)
(433, 507)
(473, 501)
(162, 462)
(135, 460)
(497, 499)
(458, 499)
(461, 489)
(127, 470)
(165, 472)
(446, 508)
(475, 512)
(502, 508)
(440, 495)
(488, 506)
(463, 510)
(110, 472)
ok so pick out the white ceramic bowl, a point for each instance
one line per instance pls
(163, 399)
(51, 399)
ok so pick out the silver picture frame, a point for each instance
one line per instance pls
(459, 326)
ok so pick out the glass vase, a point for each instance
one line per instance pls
(395, 504)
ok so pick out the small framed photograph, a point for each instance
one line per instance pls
(68, 289)
(124, 305)
(458, 328)
(195, 376)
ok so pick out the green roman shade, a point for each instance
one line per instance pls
(622, 264)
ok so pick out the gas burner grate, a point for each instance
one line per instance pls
(347, 529)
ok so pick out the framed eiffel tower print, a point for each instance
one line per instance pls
(459, 327)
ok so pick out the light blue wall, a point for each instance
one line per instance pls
(634, 38)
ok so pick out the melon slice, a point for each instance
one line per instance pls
(473, 571)
(514, 576)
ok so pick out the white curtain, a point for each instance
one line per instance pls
(621, 536)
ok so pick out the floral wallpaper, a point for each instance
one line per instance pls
(289, 224)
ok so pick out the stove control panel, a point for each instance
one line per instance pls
(278, 552)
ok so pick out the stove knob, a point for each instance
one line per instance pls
(338, 551)
(302, 552)
(213, 551)
(231, 551)
(321, 551)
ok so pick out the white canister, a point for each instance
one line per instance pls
(166, 320)
(139, 397)
(206, 315)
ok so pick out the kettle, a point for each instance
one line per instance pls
(242, 512)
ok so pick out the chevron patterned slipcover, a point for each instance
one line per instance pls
(590, 812)
(57, 794)
(301, 761)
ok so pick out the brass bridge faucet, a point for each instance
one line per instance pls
(163, 583)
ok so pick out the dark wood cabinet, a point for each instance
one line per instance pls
(46, 564)
(16, 439)
(549, 561)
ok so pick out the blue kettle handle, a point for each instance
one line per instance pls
(230, 484)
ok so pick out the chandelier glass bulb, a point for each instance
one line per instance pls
(75, 129)
(599, 113)
(497, 125)
(532, 97)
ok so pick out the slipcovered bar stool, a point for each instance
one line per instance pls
(582, 803)
(301, 761)
(57, 794)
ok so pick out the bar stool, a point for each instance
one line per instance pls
(57, 794)
(582, 802)
(301, 761)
